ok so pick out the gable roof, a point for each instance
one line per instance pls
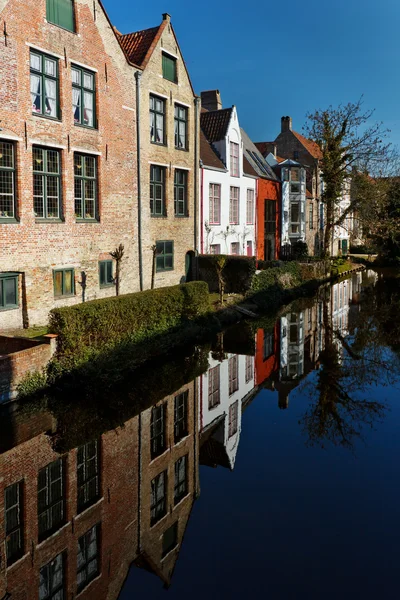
(309, 145)
(248, 168)
(137, 45)
(215, 123)
(252, 155)
(209, 155)
(265, 147)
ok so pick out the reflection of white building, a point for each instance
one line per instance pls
(292, 345)
(341, 294)
(222, 389)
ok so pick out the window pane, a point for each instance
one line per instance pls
(36, 90)
(68, 282)
(76, 76)
(10, 291)
(58, 278)
(36, 62)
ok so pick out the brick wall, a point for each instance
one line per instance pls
(36, 248)
(169, 227)
(18, 357)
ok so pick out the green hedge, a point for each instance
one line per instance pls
(238, 272)
(103, 323)
(285, 277)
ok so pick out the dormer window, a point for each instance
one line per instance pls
(169, 70)
(61, 13)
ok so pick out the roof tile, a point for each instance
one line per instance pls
(208, 155)
(137, 44)
(215, 124)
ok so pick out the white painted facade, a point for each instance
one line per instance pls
(219, 405)
(225, 237)
(292, 345)
(342, 233)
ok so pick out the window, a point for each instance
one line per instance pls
(250, 207)
(169, 68)
(13, 517)
(158, 507)
(88, 557)
(214, 387)
(157, 120)
(106, 273)
(268, 348)
(249, 248)
(215, 248)
(51, 582)
(233, 367)
(46, 183)
(157, 430)
(234, 206)
(295, 181)
(180, 486)
(8, 291)
(249, 368)
(88, 474)
(61, 13)
(7, 181)
(235, 248)
(64, 282)
(165, 256)
(85, 173)
(181, 127)
(233, 419)
(83, 97)
(311, 216)
(270, 216)
(170, 539)
(44, 85)
(157, 191)
(180, 193)
(51, 498)
(234, 156)
(215, 204)
(180, 416)
(294, 218)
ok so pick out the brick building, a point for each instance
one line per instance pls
(69, 522)
(168, 154)
(291, 145)
(169, 478)
(67, 158)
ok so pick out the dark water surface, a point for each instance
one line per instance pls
(271, 473)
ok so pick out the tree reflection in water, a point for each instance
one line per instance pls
(343, 400)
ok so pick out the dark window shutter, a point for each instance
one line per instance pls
(61, 12)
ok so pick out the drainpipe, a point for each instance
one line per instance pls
(138, 75)
(255, 250)
(202, 209)
(196, 171)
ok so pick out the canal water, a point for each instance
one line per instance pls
(265, 465)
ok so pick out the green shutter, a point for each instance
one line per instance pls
(169, 68)
(61, 12)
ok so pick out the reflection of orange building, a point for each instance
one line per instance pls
(268, 219)
(267, 353)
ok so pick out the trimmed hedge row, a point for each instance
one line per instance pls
(238, 272)
(99, 324)
(286, 276)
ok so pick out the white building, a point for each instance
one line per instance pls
(228, 183)
(221, 391)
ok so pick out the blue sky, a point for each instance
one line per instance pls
(284, 58)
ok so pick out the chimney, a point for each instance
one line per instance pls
(211, 100)
(286, 124)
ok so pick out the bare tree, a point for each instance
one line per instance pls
(117, 255)
(349, 144)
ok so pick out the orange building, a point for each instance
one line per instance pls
(267, 353)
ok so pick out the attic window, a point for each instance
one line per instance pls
(61, 13)
(169, 68)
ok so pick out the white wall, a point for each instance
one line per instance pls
(209, 415)
(242, 232)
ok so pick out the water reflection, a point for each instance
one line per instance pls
(90, 489)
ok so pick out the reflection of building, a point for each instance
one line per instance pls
(267, 353)
(69, 522)
(222, 389)
(341, 294)
(168, 478)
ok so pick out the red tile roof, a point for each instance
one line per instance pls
(309, 145)
(265, 147)
(208, 155)
(215, 124)
(136, 45)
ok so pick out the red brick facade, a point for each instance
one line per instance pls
(29, 245)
